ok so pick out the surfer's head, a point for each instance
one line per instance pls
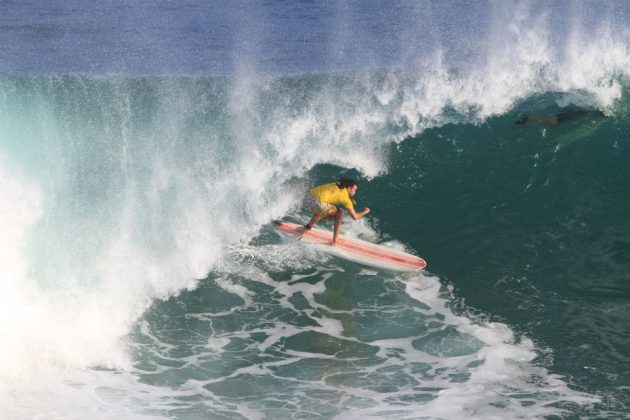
(350, 184)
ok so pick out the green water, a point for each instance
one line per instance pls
(519, 231)
(529, 234)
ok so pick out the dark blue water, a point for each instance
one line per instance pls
(146, 147)
(225, 38)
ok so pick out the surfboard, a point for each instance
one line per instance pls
(355, 250)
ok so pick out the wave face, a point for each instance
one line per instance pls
(141, 274)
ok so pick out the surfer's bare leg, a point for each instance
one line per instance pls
(338, 216)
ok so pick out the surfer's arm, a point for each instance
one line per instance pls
(357, 216)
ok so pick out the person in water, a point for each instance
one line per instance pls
(324, 199)
(561, 117)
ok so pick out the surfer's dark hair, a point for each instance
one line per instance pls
(345, 183)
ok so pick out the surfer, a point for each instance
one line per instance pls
(324, 199)
(561, 117)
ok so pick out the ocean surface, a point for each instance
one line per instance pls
(147, 146)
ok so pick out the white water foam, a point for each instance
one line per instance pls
(43, 328)
(507, 379)
(502, 379)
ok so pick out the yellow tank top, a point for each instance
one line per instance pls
(332, 194)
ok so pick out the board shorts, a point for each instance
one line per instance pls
(322, 209)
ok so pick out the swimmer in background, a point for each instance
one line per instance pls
(560, 117)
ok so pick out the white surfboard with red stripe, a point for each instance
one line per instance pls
(355, 250)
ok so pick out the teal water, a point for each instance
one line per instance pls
(144, 278)
(532, 230)
(522, 230)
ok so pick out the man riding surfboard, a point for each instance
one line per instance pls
(324, 199)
